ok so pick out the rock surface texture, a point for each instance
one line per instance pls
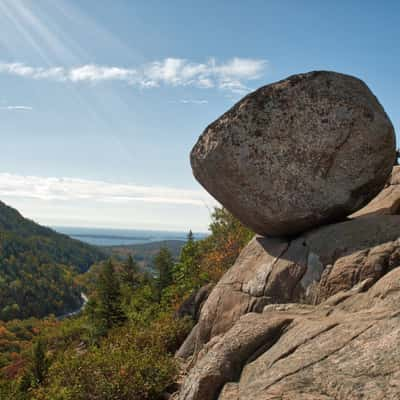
(191, 307)
(387, 201)
(346, 348)
(299, 153)
(314, 317)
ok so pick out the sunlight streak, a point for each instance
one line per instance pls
(7, 11)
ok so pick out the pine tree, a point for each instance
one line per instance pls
(40, 363)
(110, 310)
(190, 237)
(164, 264)
(130, 273)
(189, 254)
(187, 270)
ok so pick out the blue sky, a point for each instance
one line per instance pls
(101, 101)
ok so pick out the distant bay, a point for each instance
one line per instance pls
(121, 237)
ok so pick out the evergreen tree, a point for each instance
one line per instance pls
(130, 273)
(189, 255)
(110, 310)
(40, 363)
(164, 264)
(190, 237)
(187, 270)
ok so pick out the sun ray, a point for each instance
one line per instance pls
(7, 12)
(35, 23)
(50, 40)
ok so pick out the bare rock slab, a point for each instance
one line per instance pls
(307, 269)
(302, 152)
(345, 351)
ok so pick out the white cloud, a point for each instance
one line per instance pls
(230, 75)
(16, 108)
(26, 71)
(97, 73)
(71, 189)
(246, 68)
(193, 101)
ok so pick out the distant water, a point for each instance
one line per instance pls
(118, 237)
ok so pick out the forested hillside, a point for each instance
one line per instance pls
(19, 234)
(37, 266)
(122, 345)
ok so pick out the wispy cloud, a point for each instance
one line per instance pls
(70, 189)
(231, 75)
(16, 108)
(193, 101)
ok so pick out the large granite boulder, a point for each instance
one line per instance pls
(346, 348)
(307, 269)
(299, 153)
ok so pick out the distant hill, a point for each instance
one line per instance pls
(37, 266)
(144, 253)
(49, 245)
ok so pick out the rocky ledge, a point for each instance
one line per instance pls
(347, 347)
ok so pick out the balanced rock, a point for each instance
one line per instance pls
(305, 151)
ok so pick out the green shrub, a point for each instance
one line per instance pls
(128, 364)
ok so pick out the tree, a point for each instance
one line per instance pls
(130, 273)
(187, 270)
(190, 254)
(164, 264)
(40, 364)
(110, 310)
(222, 247)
